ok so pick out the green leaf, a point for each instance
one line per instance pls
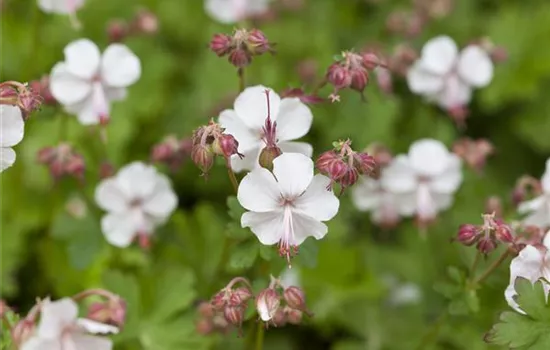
(455, 274)
(243, 255)
(268, 252)
(234, 229)
(235, 209)
(307, 255)
(531, 298)
(178, 334)
(173, 293)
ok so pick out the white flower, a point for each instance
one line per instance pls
(65, 7)
(137, 199)
(11, 133)
(60, 329)
(290, 277)
(425, 179)
(532, 263)
(232, 11)
(289, 205)
(246, 120)
(86, 82)
(446, 76)
(538, 208)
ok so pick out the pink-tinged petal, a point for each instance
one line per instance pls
(426, 206)
(137, 180)
(475, 66)
(294, 119)
(439, 55)
(94, 327)
(451, 178)
(109, 196)
(120, 67)
(82, 58)
(163, 201)
(294, 173)
(90, 342)
(12, 127)
(429, 157)
(55, 317)
(527, 265)
(7, 158)
(248, 162)
(545, 179)
(115, 94)
(259, 191)
(251, 106)
(531, 205)
(248, 139)
(317, 202)
(60, 6)
(37, 343)
(296, 147)
(422, 81)
(268, 226)
(225, 11)
(539, 217)
(406, 204)
(456, 93)
(386, 211)
(66, 87)
(305, 226)
(546, 243)
(399, 176)
(366, 194)
(85, 111)
(118, 229)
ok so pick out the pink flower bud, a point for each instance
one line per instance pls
(468, 234)
(370, 60)
(294, 316)
(234, 315)
(340, 77)
(486, 245)
(228, 146)
(46, 155)
(330, 164)
(359, 79)
(221, 44)
(42, 88)
(204, 326)
(295, 298)
(257, 42)
(240, 296)
(145, 22)
(267, 155)
(503, 233)
(206, 310)
(111, 312)
(203, 157)
(267, 303)
(279, 319)
(117, 30)
(240, 58)
(219, 300)
(350, 178)
(366, 163)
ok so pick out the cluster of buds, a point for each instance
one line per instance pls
(211, 321)
(210, 141)
(111, 311)
(343, 165)
(62, 160)
(351, 70)
(144, 23)
(526, 187)
(172, 151)
(434, 8)
(473, 152)
(407, 24)
(41, 87)
(381, 154)
(277, 305)
(310, 99)
(241, 46)
(497, 53)
(21, 95)
(486, 236)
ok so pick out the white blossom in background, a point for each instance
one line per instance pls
(425, 179)
(137, 199)
(532, 263)
(12, 129)
(233, 11)
(288, 205)
(87, 82)
(60, 328)
(447, 77)
(64, 7)
(247, 118)
(539, 207)
(290, 277)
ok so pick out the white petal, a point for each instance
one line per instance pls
(259, 191)
(263, 310)
(114, 93)
(429, 157)
(405, 204)
(55, 317)
(426, 206)
(294, 119)
(137, 180)
(85, 111)
(386, 210)
(95, 327)
(475, 66)
(399, 176)
(422, 81)
(248, 162)
(60, 6)
(527, 265)
(91, 342)
(7, 158)
(546, 243)
(82, 58)
(108, 196)
(251, 106)
(545, 179)
(268, 227)
(12, 126)
(531, 205)
(540, 217)
(66, 87)
(118, 229)
(439, 55)
(248, 139)
(293, 172)
(455, 93)
(226, 11)
(163, 201)
(450, 179)
(318, 202)
(366, 194)
(305, 226)
(120, 67)
(296, 147)
(37, 343)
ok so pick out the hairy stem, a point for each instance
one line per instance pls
(260, 336)
(492, 267)
(240, 72)
(232, 177)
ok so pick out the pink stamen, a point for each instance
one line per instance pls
(286, 248)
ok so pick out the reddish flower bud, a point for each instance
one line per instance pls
(330, 164)
(226, 146)
(366, 163)
(204, 326)
(267, 155)
(486, 245)
(219, 301)
(42, 88)
(257, 42)
(295, 298)
(359, 79)
(339, 76)
(267, 303)
(220, 44)
(240, 58)
(117, 30)
(503, 233)
(234, 315)
(499, 54)
(350, 178)
(205, 309)
(279, 319)
(111, 312)
(294, 316)
(203, 157)
(370, 60)
(468, 234)
(240, 296)
(62, 160)
(145, 22)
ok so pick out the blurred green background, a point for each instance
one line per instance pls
(46, 251)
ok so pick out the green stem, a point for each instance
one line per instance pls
(473, 268)
(63, 127)
(492, 267)
(260, 336)
(240, 72)
(232, 177)
(431, 336)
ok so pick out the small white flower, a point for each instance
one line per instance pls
(246, 120)
(137, 199)
(59, 328)
(538, 208)
(532, 263)
(288, 205)
(86, 82)
(232, 11)
(65, 7)
(444, 75)
(425, 179)
(11, 133)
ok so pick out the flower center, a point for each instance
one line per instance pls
(286, 244)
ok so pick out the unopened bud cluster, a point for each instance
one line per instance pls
(144, 23)
(241, 46)
(62, 160)
(210, 141)
(526, 187)
(473, 152)
(112, 311)
(343, 165)
(172, 151)
(21, 95)
(487, 236)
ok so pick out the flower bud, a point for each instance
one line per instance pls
(257, 42)
(295, 298)
(203, 157)
(204, 326)
(267, 155)
(366, 163)
(205, 309)
(42, 88)
(111, 312)
(370, 60)
(220, 44)
(219, 301)
(240, 296)
(225, 146)
(293, 316)
(330, 164)
(467, 234)
(240, 58)
(503, 233)
(23, 330)
(145, 22)
(359, 79)
(339, 76)
(267, 303)
(234, 315)
(350, 178)
(117, 30)
(486, 245)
